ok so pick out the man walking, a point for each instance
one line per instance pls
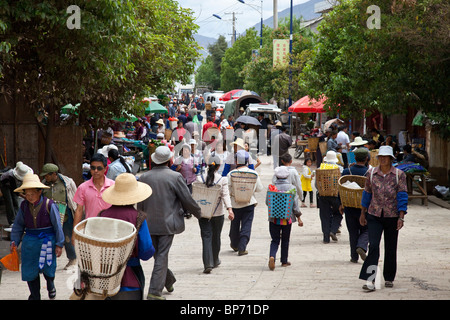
(62, 191)
(165, 209)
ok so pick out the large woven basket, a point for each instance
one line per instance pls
(103, 247)
(323, 148)
(280, 204)
(373, 158)
(327, 182)
(313, 143)
(351, 197)
(243, 185)
(208, 199)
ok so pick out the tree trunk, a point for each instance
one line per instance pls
(50, 134)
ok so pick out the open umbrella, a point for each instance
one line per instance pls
(155, 107)
(307, 105)
(70, 109)
(229, 95)
(248, 120)
(242, 93)
(126, 117)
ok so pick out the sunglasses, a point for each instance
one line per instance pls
(100, 168)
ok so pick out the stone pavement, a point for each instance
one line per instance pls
(318, 271)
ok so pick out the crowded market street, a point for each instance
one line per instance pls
(318, 271)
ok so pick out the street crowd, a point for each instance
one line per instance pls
(44, 209)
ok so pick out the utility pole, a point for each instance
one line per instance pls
(275, 14)
(233, 36)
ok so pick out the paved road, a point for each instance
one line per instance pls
(318, 271)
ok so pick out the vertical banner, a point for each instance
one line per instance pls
(280, 52)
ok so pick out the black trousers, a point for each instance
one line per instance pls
(376, 227)
(35, 286)
(330, 217)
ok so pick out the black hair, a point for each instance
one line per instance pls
(212, 168)
(114, 154)
(407, 148)
(286, 158)
(99, 158)
(306, 160)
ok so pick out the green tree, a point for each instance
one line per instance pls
(401, 65)
(209, 73)
(235, 58)
(122, 50)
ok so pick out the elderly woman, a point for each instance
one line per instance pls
(38, 218)
(385, 199)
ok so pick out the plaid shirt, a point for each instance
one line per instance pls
(384, 190)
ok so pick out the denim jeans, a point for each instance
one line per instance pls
(210, 231)
(376, 226)
(241, 227)
(277, 233)
(68, 229)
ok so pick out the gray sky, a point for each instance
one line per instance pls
(246, 15)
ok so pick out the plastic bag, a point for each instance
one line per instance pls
(11, 261)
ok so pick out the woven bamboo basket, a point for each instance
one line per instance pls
(323, 148)
(313, 143)
(103, 247)
(327, 182)
(243, 185)
(351, 197)
(208, 199)
(373, 158)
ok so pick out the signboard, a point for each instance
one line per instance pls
(280, 52)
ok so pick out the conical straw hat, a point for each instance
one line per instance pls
(126, 190)
(31, 181)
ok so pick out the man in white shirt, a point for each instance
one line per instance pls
(343, 140)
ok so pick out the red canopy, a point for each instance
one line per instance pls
(228, 95)
(307, 105)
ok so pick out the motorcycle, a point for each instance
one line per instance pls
(301, 145)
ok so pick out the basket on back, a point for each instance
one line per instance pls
(103, 247)
(327, 182)
(351, 197)
(243, 185)
(313, 143)
(208, 199)
(373, 158)
(280, 204)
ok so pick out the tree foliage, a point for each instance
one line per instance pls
(403, 64)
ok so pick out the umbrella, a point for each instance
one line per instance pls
(155, 107)
(229, 95)
(248, 120)
(242, 93)
(70, 109)
(330, 122)
(307, 105)
(127, 117)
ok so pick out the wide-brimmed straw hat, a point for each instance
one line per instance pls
(31, 181)
(21, 170)
(358, 142)
(239, 142)
(331, 157)
(160, 121)
(126, 191)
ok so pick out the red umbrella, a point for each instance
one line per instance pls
(307, 105)
(229, 95)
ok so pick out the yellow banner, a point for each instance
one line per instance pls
(280, 52)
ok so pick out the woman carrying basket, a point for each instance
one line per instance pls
(211, 229)
(280, 229)
(241, 225)
(38, 218)
(123, 195)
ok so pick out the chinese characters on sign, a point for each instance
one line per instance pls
(280, 52)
